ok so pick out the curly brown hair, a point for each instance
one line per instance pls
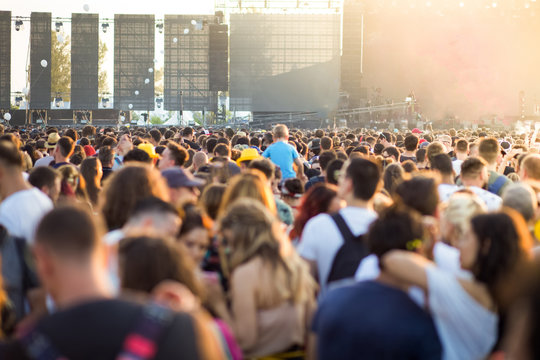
(127, 186)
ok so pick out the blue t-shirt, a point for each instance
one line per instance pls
(370, 320)
(282, 154)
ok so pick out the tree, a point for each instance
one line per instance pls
(60, 65)
(103, 85)
(156, 120)
(158, 80)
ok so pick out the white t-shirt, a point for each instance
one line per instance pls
(456, 164)
(44, 161)
(492, 201)
(321, 238)
(466, 329)
(446, 190)
(22, 211)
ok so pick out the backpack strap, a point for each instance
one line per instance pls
(343, 227)
(496, 186)
(141, 342)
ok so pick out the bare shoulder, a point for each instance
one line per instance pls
(478, 292)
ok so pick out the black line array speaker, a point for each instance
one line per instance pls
(40, 60)
(218, 57)
(84, 61)
(5, 59)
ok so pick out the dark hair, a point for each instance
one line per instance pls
(293, 186)
(443, 164)
(210, 199)
(191, 220)
(187, 131)
(10, 156)
(263, 165)
(332, 171)
(397, 228)
(65, 145)
(137, 155)
(254, 141)
(392, 151)
(409, 166)
(419, 193)
(106, 155)
(178, 153)
(325, 158)
(392, 177)
(488, 149)
(70, 231)
(462, 145)
(211, 144)
(378, 148)
(43, 176)
(472, 167)
(365, 177)
(315, 201)
(72, 134)
(421, 155)
(411, 142)
(326, 143)
(109, 141)
(502, 243)
(147, 261)
(222, 150)
(156, 135)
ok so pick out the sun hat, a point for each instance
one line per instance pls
(52, 140)
(248, 154)
(149, 149)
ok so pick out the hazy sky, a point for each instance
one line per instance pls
(105, 9)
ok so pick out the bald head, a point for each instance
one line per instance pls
(199, 159)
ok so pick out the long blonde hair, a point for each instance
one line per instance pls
(251, 185)
(256, 234)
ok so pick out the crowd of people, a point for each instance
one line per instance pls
(173, 243)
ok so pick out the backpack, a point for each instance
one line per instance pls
(349, 255)
(496, 186)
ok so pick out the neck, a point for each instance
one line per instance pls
(461, 156)
(13, 183)
(447, 179)
(359, 203)
(408, 153)
(281, 139)
(492, 167)
(60, 159)
(80, 284)
(472, 182)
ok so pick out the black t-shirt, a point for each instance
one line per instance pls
(370, 320)
(404, 158)
(97, 330)
(192, 144)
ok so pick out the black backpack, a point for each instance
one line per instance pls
(349, 255)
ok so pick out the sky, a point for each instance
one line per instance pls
(105, 9)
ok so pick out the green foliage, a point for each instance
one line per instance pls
(156, 120)
(158, 80)
(60, 66)
(103, 86)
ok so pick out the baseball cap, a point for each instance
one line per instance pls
(177, 177)
(149, 149)
(89, 150)
(416, 131)
(315, 144)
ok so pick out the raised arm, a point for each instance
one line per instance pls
(407, 266)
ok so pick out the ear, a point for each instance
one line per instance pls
(176, 296)
(44, 262)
